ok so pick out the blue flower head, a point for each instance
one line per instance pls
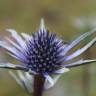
(44, 53)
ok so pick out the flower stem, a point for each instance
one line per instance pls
(38, 85)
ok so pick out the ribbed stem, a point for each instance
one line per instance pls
(38, 85)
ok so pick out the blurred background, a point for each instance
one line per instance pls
(69, 19)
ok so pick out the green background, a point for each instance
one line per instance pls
(69, 19)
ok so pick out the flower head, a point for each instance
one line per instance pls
(44, 53)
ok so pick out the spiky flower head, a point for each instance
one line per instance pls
(44, 53)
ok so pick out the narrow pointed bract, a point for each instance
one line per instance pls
(24, 79)
(44, 54)
(42, 25)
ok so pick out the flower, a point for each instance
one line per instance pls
(44, 53)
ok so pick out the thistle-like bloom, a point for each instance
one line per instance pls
(44, 53)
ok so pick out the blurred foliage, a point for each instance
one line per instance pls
(59, 15)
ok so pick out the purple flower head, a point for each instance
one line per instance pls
(44, 53)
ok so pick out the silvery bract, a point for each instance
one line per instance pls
(44, 54)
